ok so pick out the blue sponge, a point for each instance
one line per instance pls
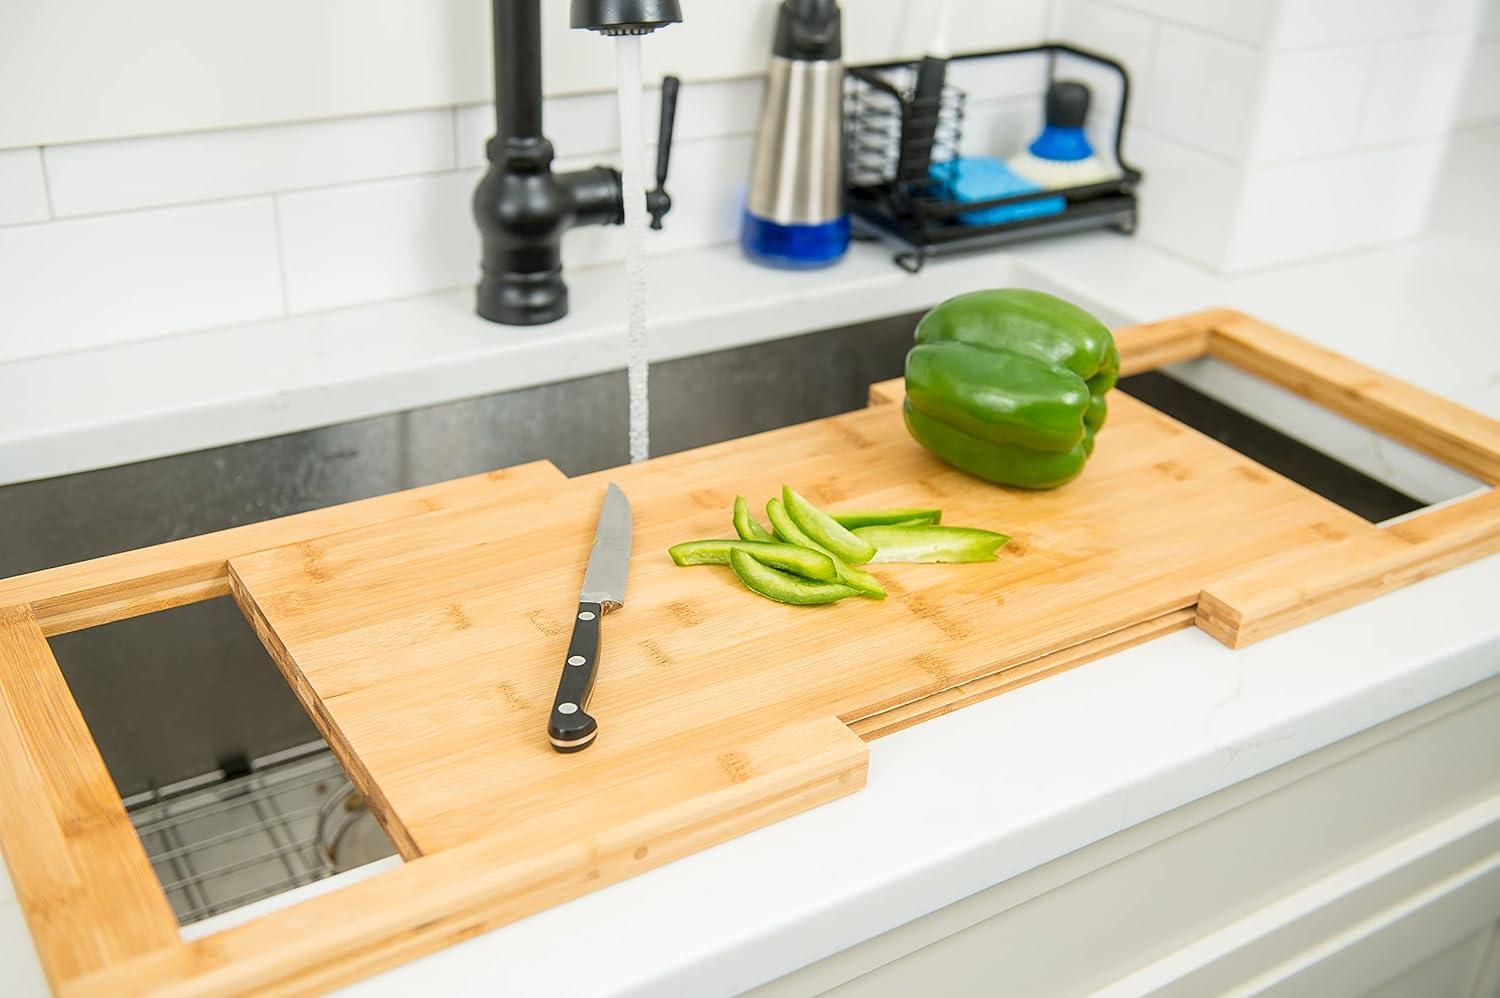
(981, 178)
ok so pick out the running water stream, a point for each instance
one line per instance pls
(632, 154)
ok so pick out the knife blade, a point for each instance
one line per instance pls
(571, 728)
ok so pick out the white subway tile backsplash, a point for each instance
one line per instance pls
(1001, 128)
(1415, 90)
(1125, 35)
(1304, 23)
(23, 191)
(385, 239)
(976, 25)
(87, 282)
(707, 185)
(1246, 20)
(588, 124)
(890, 30)
(1202, 91)
(1188, 199)
(1302, 210)
(98, 177)
(1311, 103)
(998, 79)
(725, 107)
(396, 238)
(1269, 131)
(1480, 100)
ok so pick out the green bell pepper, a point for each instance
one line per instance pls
(1009, 385)
(746, 526)
(828, 533)
(852, 518)
(780, 586)
(926, 543)
(788, 557)
(788, 531)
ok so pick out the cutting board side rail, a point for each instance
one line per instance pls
(80, 872)
(1286, 590)
(1271, 597)
(454, 894)
(79, 869)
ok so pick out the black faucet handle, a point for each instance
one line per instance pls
(658, 201)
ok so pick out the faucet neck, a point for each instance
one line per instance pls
(518, 70)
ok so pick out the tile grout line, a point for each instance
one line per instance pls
(456, 162)
(1135, 117)
(1269, 41)
(1371, 82)
(41, 158)
(1220, 159)
(286, 303)
(563, 161)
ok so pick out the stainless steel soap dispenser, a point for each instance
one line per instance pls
(794, 209)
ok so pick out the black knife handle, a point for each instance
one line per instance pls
(571, 729)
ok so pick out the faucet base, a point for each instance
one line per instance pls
(522, 299)
(523, 209)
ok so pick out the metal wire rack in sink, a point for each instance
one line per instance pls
(253, 830)
(896, 143)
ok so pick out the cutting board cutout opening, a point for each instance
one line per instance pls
(1331, 478)
(1362, 469)
(234, 796)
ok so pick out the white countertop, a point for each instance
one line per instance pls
(1105, 746)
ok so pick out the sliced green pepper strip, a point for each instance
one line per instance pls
(746, 526)
(830, 535)
(792, 534)
(788, 557)
(926, 543)
(852, 518)
(780, 586)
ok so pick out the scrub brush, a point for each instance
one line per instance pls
(1062, 156)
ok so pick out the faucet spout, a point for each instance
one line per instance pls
(521, 206)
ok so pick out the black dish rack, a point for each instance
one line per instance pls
(894, 136)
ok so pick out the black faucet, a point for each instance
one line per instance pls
(522, 207)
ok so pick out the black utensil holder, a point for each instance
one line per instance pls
(892, 196)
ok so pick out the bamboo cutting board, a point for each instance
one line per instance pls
(429, 649)
(425, 633)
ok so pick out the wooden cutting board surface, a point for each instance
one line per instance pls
(428, 649)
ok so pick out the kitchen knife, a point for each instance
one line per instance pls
(571, 728)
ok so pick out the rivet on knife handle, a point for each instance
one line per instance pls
(571, 728)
